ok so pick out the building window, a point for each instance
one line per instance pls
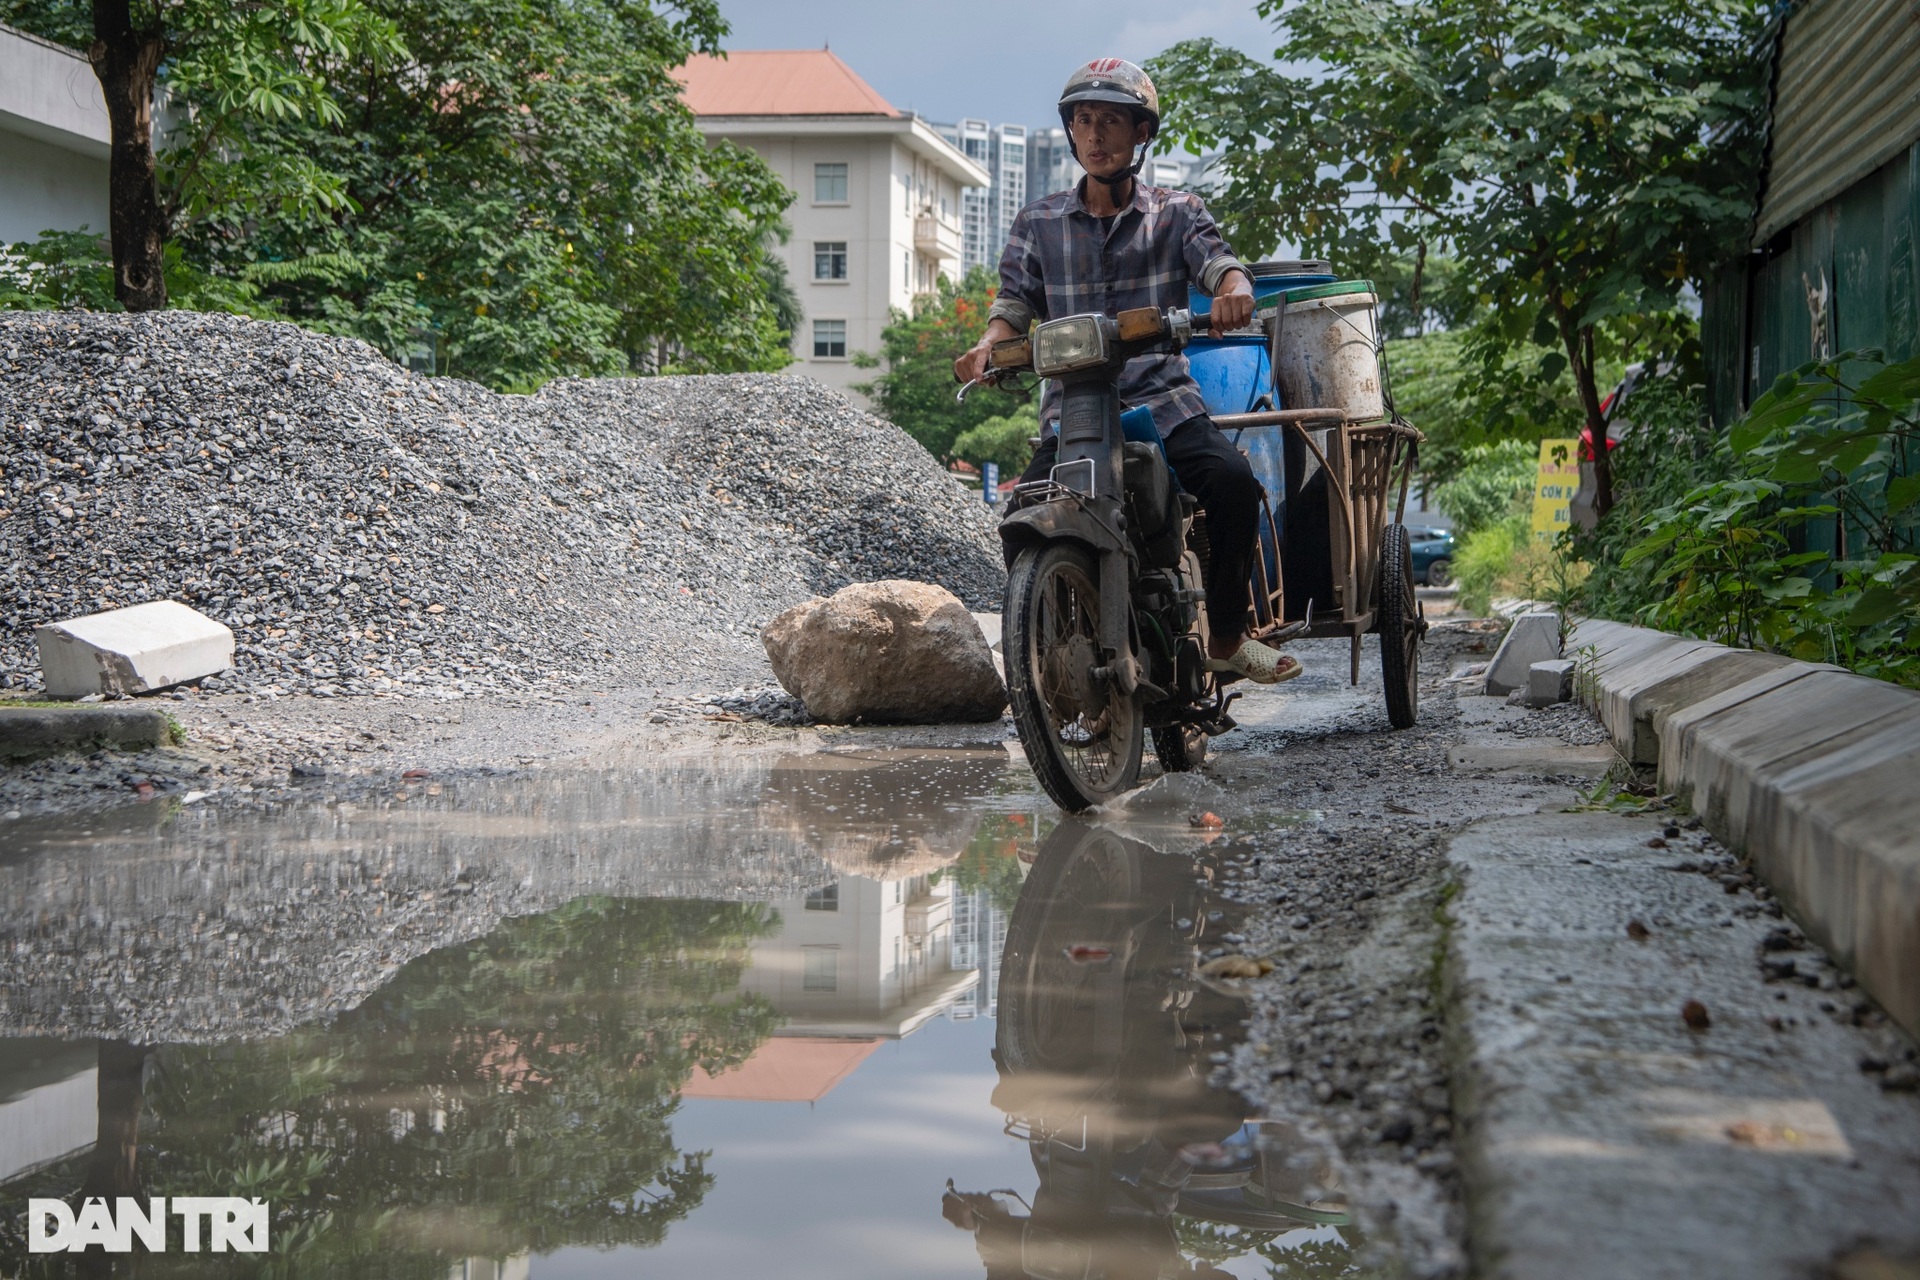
(827, 899)
(829, 259)
(830, 184)
(829, 339)
(820, 969)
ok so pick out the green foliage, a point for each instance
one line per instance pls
(1484, 559)
(916, 392)
(528, 186)
(519, 180)
(1804, 543)
(233, 71)
(60, 270)
(514, 1094)
(73, 270)
(1004, 440)
(1440, 383)
(1578, 163)
(1489, 486)
(1670, 450)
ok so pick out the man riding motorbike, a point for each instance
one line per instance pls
(1114, 243)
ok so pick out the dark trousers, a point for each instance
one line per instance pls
(1218, 477)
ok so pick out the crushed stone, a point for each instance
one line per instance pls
(365, 530)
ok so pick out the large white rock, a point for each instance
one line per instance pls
(126, 651)
(1533, 637)
(892, 652)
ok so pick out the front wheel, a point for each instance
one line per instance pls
(1440, 573)
(1182, 748)
(1082, 736)
(1400, 627)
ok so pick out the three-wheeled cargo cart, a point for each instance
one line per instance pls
(1302, 392)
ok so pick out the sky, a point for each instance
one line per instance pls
(1003, 61)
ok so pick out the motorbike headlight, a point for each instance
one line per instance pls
(1061, 346)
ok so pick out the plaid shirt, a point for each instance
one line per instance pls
(1062, 261)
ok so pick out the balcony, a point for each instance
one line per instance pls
(937, 237)
(927, 913)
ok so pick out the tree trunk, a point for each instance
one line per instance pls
(1579, 344)
(125, 61)
(114, 1169)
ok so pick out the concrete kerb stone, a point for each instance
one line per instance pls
(1731, 754)
(1804, 767)
(1533, 637)
(1625, 680)
(30, 732)
(1707, 672)
(1844, 860)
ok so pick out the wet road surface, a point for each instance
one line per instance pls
(836, 1014)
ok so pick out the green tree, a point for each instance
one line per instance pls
(1006, 440)
(1578, 161)
(527, 185)
(227, 69)
(916, 392)
(508, 1095)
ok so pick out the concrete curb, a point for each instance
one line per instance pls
(28, 732)
(1807, 769)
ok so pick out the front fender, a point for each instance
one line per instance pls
(1061, 518)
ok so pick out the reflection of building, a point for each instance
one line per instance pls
(979, 935)
(860, 957)
(518, 1267)
(48, 1103)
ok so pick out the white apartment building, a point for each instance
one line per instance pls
(877, 193)
(53, 140)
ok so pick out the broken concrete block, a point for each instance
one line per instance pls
(1533, 637)
(143, 649)
(1549, 682)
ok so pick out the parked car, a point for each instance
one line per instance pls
(1432, 555)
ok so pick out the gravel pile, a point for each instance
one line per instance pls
(364, 530)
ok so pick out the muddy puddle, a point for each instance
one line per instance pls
(835, 1015)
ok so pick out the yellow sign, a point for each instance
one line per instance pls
(1553, 487)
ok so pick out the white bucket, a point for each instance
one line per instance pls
(1328, 356)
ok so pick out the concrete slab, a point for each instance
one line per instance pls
(1533, 637)
(30, 732)
(1755, 1148)
(1681, 726)
(1537, 756)
(141, 649)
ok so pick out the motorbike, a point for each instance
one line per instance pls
(1105, 641)
(1104, 1043)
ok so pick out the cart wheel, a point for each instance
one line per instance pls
(1182, 748)
(1400, 626)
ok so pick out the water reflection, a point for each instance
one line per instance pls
(162, 923)
(466, 1034)
(1104, 1044)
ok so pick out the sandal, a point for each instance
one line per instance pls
(1258, 663)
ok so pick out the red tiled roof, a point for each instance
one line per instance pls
(778, 82)
(784, 1069)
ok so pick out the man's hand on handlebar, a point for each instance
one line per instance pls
(1232, 306)
(972, 364)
